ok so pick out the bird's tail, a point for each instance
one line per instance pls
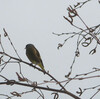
(42, 67)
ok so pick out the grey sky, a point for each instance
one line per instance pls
(33, 21)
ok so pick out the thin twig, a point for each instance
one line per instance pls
(6, 34)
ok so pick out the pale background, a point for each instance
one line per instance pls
(33, 21)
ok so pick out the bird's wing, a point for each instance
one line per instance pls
(38, 56)
(36, 53)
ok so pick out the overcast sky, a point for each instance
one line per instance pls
(33, 21)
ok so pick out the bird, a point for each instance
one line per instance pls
(34, 56)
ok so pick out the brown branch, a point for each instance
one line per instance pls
(13, 82)
(80, 4)
(67, 92)
(95, 94)
(81, 78)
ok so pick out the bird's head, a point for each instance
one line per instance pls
(29, 46)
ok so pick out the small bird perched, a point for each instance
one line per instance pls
(34, 56)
